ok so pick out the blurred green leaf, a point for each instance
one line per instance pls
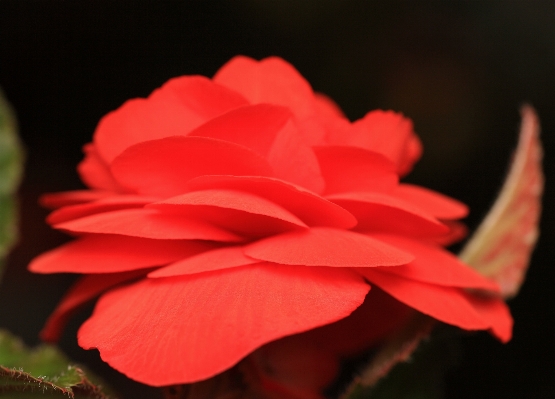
(47, 373)
(11, 159)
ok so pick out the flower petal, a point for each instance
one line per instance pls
(326, 247)
(309, 207)
(438, 205)
(275, 81)
(163, 167)
(348, 169)
(451, 306)
(175, 109)
(193, 327)
(84, 290)
(216, 259)
(106, 204)
(105, 253)
(67, 198)
(233, 210)
(382, 212)
(148, 223)
(386, 132)
(94, 172)
(435, 265)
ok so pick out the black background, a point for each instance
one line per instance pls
(460, 70)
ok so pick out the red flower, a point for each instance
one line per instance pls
(225, 214)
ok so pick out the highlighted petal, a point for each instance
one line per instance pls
(233, 210)
(385, 213)
(194, 327)
(351, 169)
(435, 265)
(148, 223)
(106, 253)
(309, 207)
(327, 247)
(216, 259)
(436, 204)
(175, 109)
(84, 290)
(451, 306)
(107, 204)
(163, 167)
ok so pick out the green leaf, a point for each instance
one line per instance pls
(11, 160)
(47, 373)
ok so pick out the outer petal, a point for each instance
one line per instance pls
(84, 290)
(438, 205)
(94, 172)
(175, 109)
(309, 207)
(148, 223)
(381, 212)
(348, 169)
(327, 247)
(163, 167)
(449, 305)
(105, 253)
(386, 132)
(435, 265)
(185, 329)
(67, 198)
(106, 204)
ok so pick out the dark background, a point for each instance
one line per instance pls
(460, 70)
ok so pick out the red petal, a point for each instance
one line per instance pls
(436, 204)
(193, 327)
(94, 172)
(382, 212)
(66, 198)
(370, 323)
(268, 131)
(449, 305)
(435, 265)
(163, 167)
(498, 314)
(274, 81)
(84, 290)
(253, 126)
(148, 223)
(310, 208)
(107, 204)
(386, 132)
(326, 247)
(233, 210)
(216, 259)
(112, 253)
(355, 169)
(175, 109)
